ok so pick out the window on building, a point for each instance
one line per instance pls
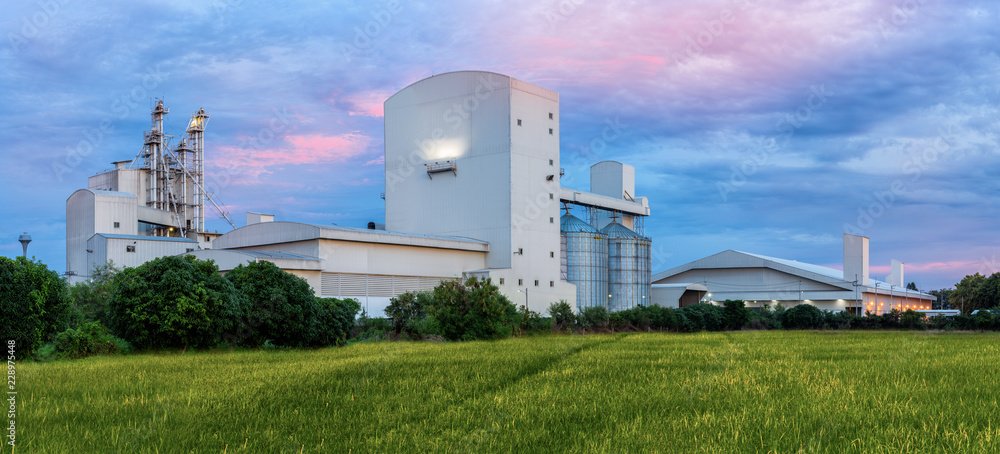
(536, 282)
(520, 282)
(552, 220)
(550, 131)
(520, 251)
(551, 162)
(117, 225)
(190, 250)
(130, 248)
(552, 254)
(551, 196)
(519, 122)
(552, 283)
(501, 281)
(550, 115)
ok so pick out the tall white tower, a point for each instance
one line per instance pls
(476, 154)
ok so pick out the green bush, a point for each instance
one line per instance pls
(735, 314)
(90, 297)
(471, 310)
(332, 322)
(34, 304)
(593, 318)
(530, 321)
(408, 308)
(562, 315)
(838, 320)
(419, 329)
(89, 339)
(702, 317)
(174, 302)
(912, 320)
(281, 307)
(802, 316)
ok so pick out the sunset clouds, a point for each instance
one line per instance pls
(717, 101)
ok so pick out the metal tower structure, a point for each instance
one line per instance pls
(176, 178)
(196, 137)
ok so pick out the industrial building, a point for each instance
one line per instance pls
(472, 188)
(149, 207)
(760, 280)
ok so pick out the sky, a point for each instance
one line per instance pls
(770, 127)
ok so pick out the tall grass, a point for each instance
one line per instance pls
(709, 392)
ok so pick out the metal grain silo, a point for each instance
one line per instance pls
(586, 251)
(629, 264)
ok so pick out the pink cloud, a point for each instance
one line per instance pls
(294, 150)
(368, 104)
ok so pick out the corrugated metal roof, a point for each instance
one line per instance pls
(397, 234)
(616, 230)
(272, 254)
(570, 223)
(829, 272)
(116, 236)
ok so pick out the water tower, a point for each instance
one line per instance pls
(25, 239)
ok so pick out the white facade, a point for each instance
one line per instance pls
(760, 280)
(496, 140)
(371, 266)
(89, 212)
(471, 174)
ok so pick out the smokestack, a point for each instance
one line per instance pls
(896, 278)
(856, 258)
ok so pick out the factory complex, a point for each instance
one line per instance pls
(472, 188)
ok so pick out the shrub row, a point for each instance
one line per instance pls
(180, 302)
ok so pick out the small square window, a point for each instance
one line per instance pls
(520, 251)
(552, 254)
(520, 282)
(552, 220)
(117, 225)
(501, 281)
(551, 162)
(552, 283)
(536, 282)
(130, 248)
(550, 115)
(550, 131)
(189, 250)
(519, 122)
(551, 197)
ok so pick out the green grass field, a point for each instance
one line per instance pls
(711, 392)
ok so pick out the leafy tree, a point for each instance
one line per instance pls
(174, 302)
(912, 286)
(332, 323)
(531, 321)
(34, 304)
(407, 309)
(90, 298)
(912, 320)
(562, 315)
(802, 316)
(702, 317)
(91, 338)
(976, 292)
(471, 310)
(735, 314)
(943, 297)
(593, 318)
(281, 306)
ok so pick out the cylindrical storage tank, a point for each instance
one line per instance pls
(586, 251)
(629, 264)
